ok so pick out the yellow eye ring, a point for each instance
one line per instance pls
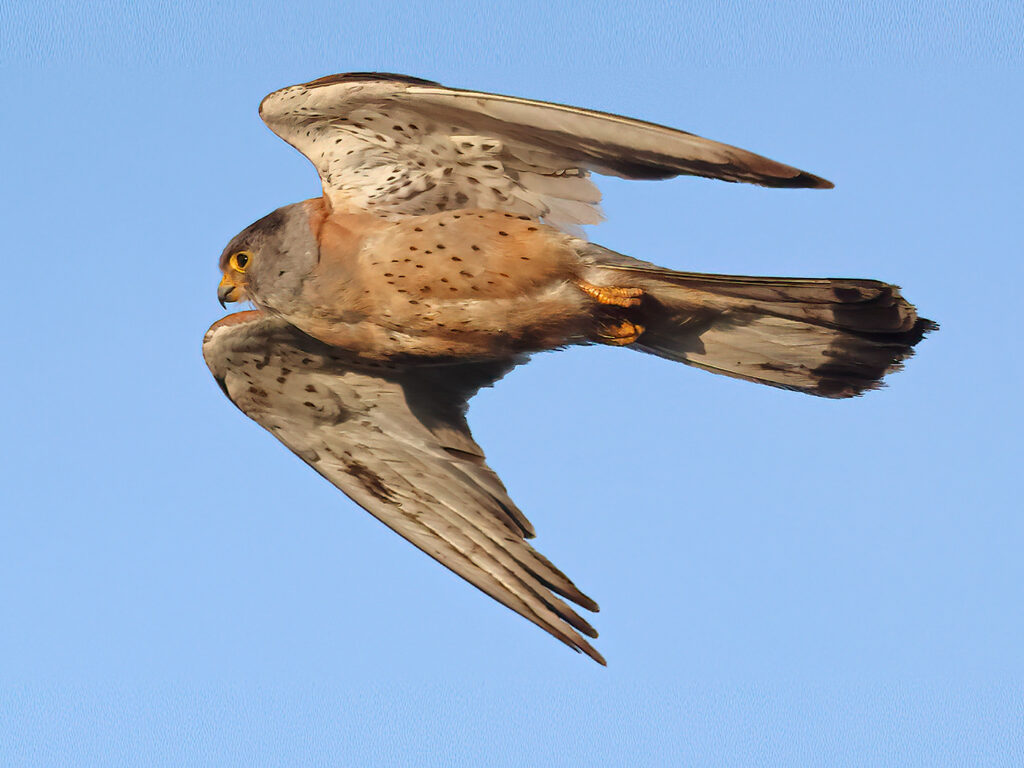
(239, 261)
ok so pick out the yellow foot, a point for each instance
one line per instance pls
(619, 334)
(609, 294)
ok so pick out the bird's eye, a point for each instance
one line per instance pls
(239, 261)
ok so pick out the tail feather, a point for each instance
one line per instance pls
(830, 337)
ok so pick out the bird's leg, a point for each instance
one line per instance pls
(613, 328)
(618, 333)
(610, 294)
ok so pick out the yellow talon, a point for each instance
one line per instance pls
(619, 334)
(610, 294)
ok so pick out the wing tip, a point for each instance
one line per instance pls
(810, 181)
(589, 650)
(801, 180)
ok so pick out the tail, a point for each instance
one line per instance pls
(829, 337)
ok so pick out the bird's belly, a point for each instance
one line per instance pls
(462, 284)
(464, 328)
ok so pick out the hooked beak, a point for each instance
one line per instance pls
(228, 291)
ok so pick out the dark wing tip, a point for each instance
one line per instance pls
(803, 180)
(584, 602)
(807, 181)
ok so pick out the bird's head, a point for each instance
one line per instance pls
(266, 262)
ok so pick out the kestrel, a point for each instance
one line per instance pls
(444, 251)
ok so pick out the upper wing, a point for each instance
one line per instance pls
(396, 442)
(397, 145)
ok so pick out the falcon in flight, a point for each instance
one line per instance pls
(444, 251)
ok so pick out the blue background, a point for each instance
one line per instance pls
(783, 580)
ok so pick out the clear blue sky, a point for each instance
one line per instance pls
(783, 580)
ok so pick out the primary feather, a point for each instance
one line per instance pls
(396, 442)
(397, 146)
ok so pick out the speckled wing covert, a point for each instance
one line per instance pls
(397, 145)
(397, 444)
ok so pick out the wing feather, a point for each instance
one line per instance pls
(398, 146)
(396, 442)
